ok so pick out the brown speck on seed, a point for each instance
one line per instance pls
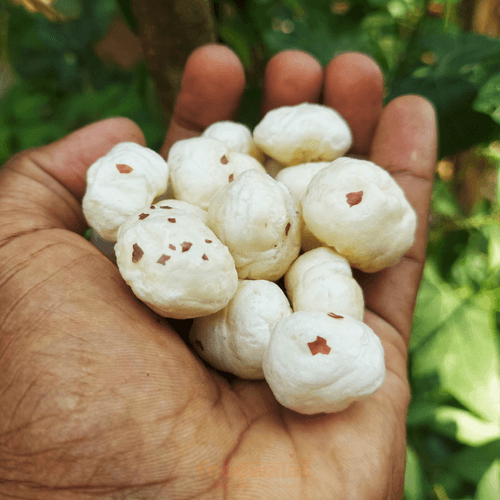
(166, 206)
(123, 169)
(224, 160)
(231, 178)
(287, 228)
(152, 207)
(354, 198)
(186, 245)
(163, 259)
(172, 220)
(172, 247)
(143, 216)
(137, 253)
(199, 344)
(319, 346)
(336, 316)
(208, 241)
(204, 256)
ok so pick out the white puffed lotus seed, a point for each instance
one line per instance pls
(236, 136)
(324, 286)
(357, 208)
(259, 221)
(200, 167)
(321, 363)
(235, 338)
(296, 179)
(174, 263)
(127, 178)
(303, 133)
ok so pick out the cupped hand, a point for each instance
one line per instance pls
(99, 398)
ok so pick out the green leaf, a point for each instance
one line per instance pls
(415, 485)
(457, 343)
(489, 486)
(462, 64)
(464, 427)
(488, 98)
(436, 304)
(128, 14)
(473, 462)
(493, 234)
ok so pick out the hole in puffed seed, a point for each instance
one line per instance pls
(231, 178)
(186, 245)
(143, 216)
(319, 346)
(163, 259)
(172, 220)
(354, 198)
(208, 241)
(123, 169)
(204, 256)
(224, 160)
(336, 316)
(137, 253)
(166, 206)
(287, 228)
(172, 247)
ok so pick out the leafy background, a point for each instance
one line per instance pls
(60, 69)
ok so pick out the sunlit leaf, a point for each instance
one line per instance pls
(488, 98)
(489, 486)
(464, 427)
(457, 342)
(414, 477)
(436, 303)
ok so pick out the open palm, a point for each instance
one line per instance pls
(100, 398)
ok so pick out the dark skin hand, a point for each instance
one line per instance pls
(100, 399)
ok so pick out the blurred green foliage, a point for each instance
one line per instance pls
(454, 367)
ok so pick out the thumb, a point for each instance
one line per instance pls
(42, 188)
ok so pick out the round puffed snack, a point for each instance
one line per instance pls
(297, 179)
(324, 286)
(259, 221)
(321, 363)
(310, 259)
(235, 338)
(357, 208)
(236, 136)
(201, 166)
(126, 179)
(303, 133)
(174, 263)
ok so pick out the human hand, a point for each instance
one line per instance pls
(99, 398)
